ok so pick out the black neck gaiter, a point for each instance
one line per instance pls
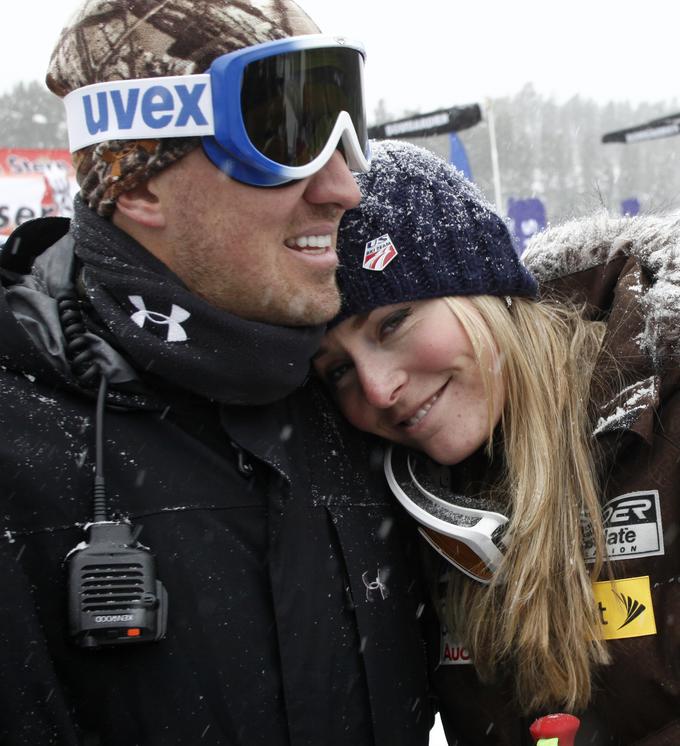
(166, 331)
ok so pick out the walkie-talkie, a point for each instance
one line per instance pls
(114, 596)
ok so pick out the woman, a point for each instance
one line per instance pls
(537, 442)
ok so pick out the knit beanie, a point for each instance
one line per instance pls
(422, 231)
(125, 39)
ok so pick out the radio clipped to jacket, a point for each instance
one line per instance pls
(114, 595)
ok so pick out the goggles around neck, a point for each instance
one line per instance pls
(268, 114)
(469, 538)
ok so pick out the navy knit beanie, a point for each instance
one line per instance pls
(422, 231)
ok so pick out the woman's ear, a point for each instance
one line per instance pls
(142, 205)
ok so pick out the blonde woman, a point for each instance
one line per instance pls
(536, 440)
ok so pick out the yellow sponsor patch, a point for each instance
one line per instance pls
(625, 608)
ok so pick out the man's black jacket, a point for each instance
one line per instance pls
(293, 599)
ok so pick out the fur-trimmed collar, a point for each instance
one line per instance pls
(654, 241)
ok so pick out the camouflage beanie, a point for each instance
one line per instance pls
(126, 39)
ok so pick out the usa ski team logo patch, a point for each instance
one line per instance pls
(379, 253)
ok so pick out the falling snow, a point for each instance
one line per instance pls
(642, 394)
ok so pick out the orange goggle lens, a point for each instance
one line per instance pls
(458, 554)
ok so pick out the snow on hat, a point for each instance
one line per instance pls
(114, 40)
(422, 231)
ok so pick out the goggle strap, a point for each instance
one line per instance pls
(140, 109)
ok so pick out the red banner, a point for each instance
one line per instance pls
(34, 183)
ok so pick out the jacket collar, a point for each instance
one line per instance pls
(638, 256)
(627, 272)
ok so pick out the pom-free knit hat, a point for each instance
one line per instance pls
(422, 231)
(127, 39)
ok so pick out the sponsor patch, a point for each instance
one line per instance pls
(145, 108)
(379, 253)
(632, 527)
(451, 652)
(625, 608)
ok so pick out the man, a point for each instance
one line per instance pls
(151, 358)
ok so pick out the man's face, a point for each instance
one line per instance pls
(265, 254)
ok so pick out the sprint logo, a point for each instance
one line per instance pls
(625, 608)
(632, 606)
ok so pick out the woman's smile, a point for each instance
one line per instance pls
(411, 423)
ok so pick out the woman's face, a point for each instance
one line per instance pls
(408, 373)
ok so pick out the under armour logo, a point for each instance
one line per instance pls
(377, 588)
(174, 321)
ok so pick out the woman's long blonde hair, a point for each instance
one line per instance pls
(537, 621)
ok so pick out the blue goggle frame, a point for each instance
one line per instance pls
(232, 148)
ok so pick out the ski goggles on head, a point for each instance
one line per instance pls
(470, 538)
(268, 114)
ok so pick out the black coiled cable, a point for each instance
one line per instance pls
(78, 347)
(87, 370)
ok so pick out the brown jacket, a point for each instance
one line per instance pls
(628, 271)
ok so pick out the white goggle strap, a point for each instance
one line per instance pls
(143, 109)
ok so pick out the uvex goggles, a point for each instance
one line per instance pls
(267, 114)
(469, 538)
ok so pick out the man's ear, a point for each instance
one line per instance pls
(141, 205)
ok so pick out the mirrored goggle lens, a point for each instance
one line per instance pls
(291, 102)
(459, 554)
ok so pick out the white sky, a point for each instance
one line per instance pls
(429, 54)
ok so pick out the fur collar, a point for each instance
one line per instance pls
(653, 240)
